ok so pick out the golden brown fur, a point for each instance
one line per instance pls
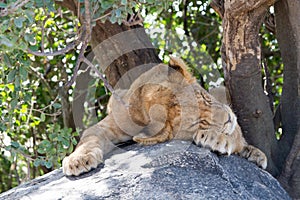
(163, 103)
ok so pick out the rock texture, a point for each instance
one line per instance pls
(173, 170)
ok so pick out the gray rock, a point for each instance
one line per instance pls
(173, 170)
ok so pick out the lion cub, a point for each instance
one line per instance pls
(164, 103)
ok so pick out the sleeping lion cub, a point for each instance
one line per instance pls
(164, 103)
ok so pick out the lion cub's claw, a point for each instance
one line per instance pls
(81, 161)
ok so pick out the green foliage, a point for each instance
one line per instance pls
(119, 10)
(30, 104)
(60, 142)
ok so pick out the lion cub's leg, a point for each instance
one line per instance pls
(228, 144)
(95, 142)
(162, 136)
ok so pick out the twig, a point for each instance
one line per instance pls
(23, 154)
(102, 17)
(134, 20)
(106, 84)
(51, 115)
(56, 53)
(12, 8)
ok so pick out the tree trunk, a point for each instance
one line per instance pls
(288, 35)
(133, 48)
(241, 55)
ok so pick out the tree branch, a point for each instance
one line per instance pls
(68, 48)
(218, 6)
(102, 17)
(85, 40)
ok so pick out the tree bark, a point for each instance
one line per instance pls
(241, 55)
(288, 35)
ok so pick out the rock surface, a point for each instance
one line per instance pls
(173, 170)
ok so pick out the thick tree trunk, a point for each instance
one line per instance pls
(241, 54)
(288, 35)
(135, 42)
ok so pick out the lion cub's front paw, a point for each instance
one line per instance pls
(255, 155)
(82, 160)
(214, 141)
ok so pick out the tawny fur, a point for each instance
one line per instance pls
(164, 103)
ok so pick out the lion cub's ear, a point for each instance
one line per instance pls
(179, 65)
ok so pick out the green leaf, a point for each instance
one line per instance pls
(48, 164)
(19, 21)
(65, 143)
(7, 60)
(11, 76)
(45, 143)
(74, 141)
(29, 37)
(15, 144)
(23, 73)
(59, 138)
(3, 5)
(37, 162)
(124, 2)
(4, 25)
(106, 4)
(13, 103)
(39, 3)
(113, 19)
(41, 151)
(118, 13)
(5, 41)
(2, 127)
(43, 117)
(56, 105)
(17, 83)
(30, 15)
(34, 48)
